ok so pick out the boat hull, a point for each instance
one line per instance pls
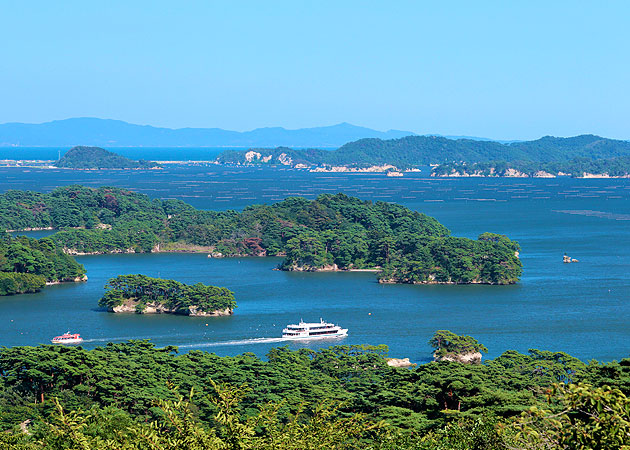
(67, 342)
(340, 333)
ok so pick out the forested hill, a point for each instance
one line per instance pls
(27, 264)
(82, 157)
(330, 233)
(416, 151)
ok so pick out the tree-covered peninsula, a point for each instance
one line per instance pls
(133, 396)
(82, 157)
(332, 232)
(581, 167)
(27, 264)
(548, 156)
(145, 295)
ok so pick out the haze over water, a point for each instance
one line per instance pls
(581, 309)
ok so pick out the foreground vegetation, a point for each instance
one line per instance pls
(166, 295)
(26, 264)
(134, 396)
(82, 157)
(333, 231)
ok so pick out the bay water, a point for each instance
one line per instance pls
(581, 308)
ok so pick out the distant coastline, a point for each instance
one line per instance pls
(49, 164)
(585, 156)
(386, 169)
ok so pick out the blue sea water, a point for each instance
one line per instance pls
(582, 309)
(147, 153)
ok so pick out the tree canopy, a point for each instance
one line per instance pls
(82, 157)
(177, 297)
(576, 167)
(407, 246)
(545, 400)
(446, 342)
(587, 153)
(26, 264)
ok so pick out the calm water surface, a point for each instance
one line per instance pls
(582, 309)
(147, 153)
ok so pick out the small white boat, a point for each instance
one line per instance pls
(321, 329)
(67, 338)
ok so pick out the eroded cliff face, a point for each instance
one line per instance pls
(382, 168)
(400, 362)
(131, 306)
(68, 280)
(75, 252)
(308, 268)
(430, 280)
(195, 312)
(464, 358)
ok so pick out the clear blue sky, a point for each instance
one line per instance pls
(499, 69)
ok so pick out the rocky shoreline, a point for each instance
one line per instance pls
(392, 171)
(463, 358)
(31, 229)
(131, 306)
(74, 252)
(512, 173)
(400, 362)
(328, 268)
(432, 281)
(73, 280)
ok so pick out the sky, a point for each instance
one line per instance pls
(496, 69)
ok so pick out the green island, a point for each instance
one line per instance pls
(451, 347)
(332, 232)
(134, 396)
(146, 295)
(577, 156)
(82, 157)
(27, 265)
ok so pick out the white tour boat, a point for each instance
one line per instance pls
(321, 329)
(67, 338)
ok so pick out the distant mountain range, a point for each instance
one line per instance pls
(337, 147)
(116, 133)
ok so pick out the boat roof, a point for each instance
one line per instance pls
(309, 324)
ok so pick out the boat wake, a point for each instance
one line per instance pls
(237, 342)
(110, 339)
(127, 338)
(251, 341)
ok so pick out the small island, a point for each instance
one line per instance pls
(146, 295)
(452, 347)
(568, 260)
(82, 157)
